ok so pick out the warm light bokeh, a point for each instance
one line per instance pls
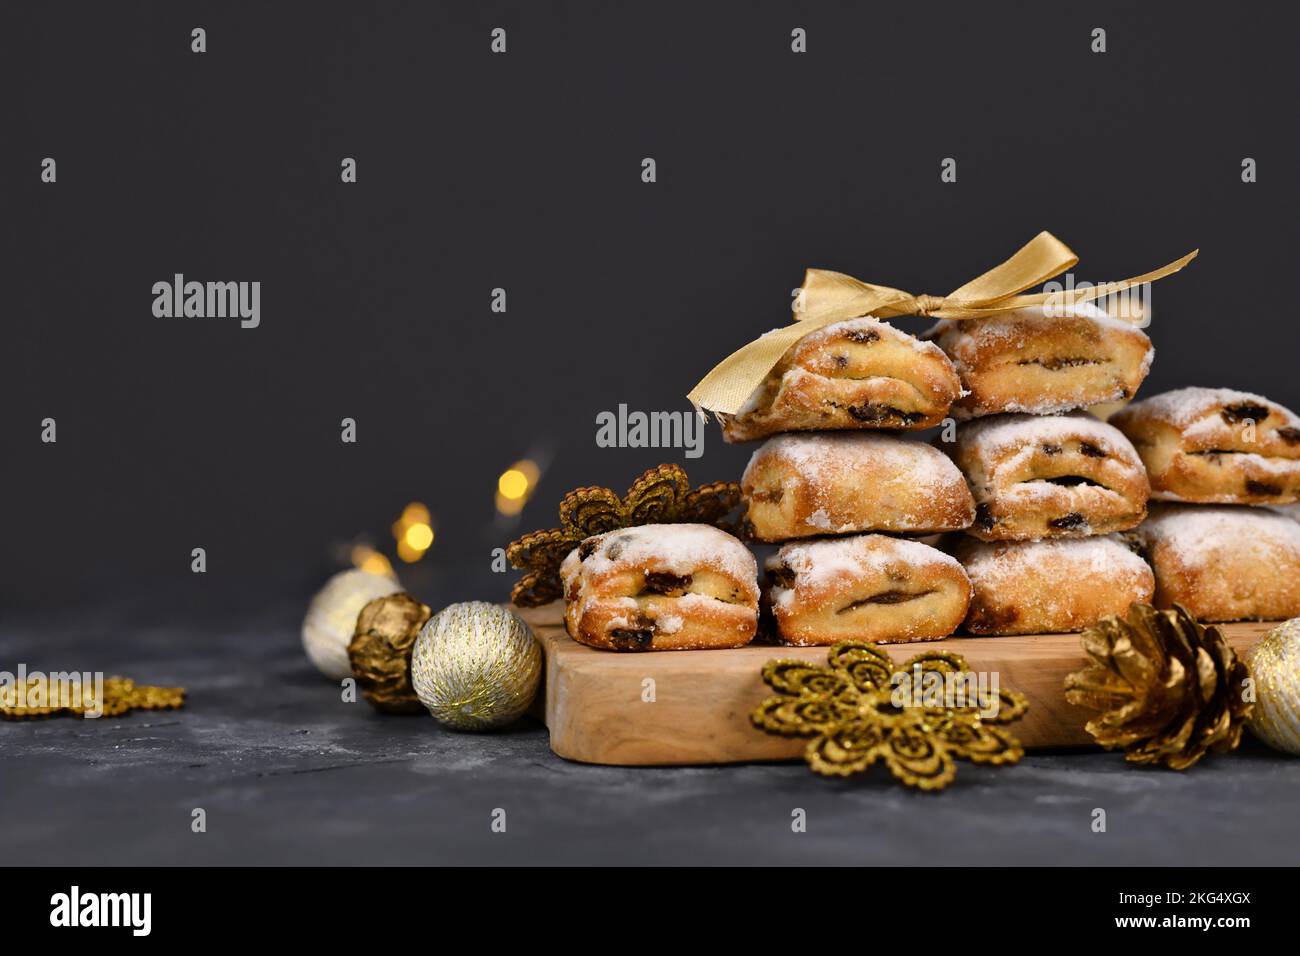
(413, 532)
(419, 536)
(515, 486)
(368, 559)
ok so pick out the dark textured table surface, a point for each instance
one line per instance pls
(288, 773)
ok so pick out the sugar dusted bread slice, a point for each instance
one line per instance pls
(1216, 445)
(861, 373)
(1042, 363)
(1048, 587)
(865, 587)
(1224, 563)
(661, 587)
(1050, 476)
(805, 485)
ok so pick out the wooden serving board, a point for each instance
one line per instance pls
(592, 700)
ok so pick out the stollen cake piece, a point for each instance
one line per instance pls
(867, 587)
(861, 373)
(1042, 361)
(661, 587)
(1051, 586)
(1216, 445)
(1224, 562)
(1053, 476)
(805, 485)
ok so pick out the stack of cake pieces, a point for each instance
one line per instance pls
(1224, 465)
(840, 488)
(1053, 485)
(1033, 518)
(1038, 487)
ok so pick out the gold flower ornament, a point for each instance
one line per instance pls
(861, 708)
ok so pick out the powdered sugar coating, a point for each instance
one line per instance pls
(996, 565)
(991, 438)
(1051, 586)
(1198, 535)
(1224, 562)
(1184, 406)
(800, 371)
(802, 484)
(1000, 325)
(968, 343)
(819, 562)
(679, 549)
(820, 456)
(825, 565)
(661, 587)
(836, 330)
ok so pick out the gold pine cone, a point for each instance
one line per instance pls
(380, 652)
(1168, 688)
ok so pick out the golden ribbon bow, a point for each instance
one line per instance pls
(827, 297)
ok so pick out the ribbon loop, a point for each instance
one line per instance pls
(1041, 258)
(828, 297)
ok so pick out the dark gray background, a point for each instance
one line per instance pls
(522, 171)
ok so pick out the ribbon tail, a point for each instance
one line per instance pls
(1109, 288)
(730, 383)
(1068, 297)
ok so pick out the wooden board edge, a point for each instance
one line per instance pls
(631, 737)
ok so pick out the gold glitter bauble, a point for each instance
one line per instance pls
(476, 666)
(1275, 665)
(332, 618)
(380, 652)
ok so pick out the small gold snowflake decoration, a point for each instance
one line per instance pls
(41, 697)
(662, 495)
(917, 718)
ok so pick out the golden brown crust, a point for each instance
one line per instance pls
(661, 587)
(1029, 361)
(1216, 446)
(1056, 476)
(1049, 587)
(800, 486)
(865, 587)
(862, 373)
(1225, 562)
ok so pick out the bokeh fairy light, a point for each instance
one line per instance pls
(368, 559)
(413, 532)
(516, 486)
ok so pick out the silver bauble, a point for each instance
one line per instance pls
(332, 618)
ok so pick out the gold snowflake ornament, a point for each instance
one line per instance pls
(41, 697)
(917, 718)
